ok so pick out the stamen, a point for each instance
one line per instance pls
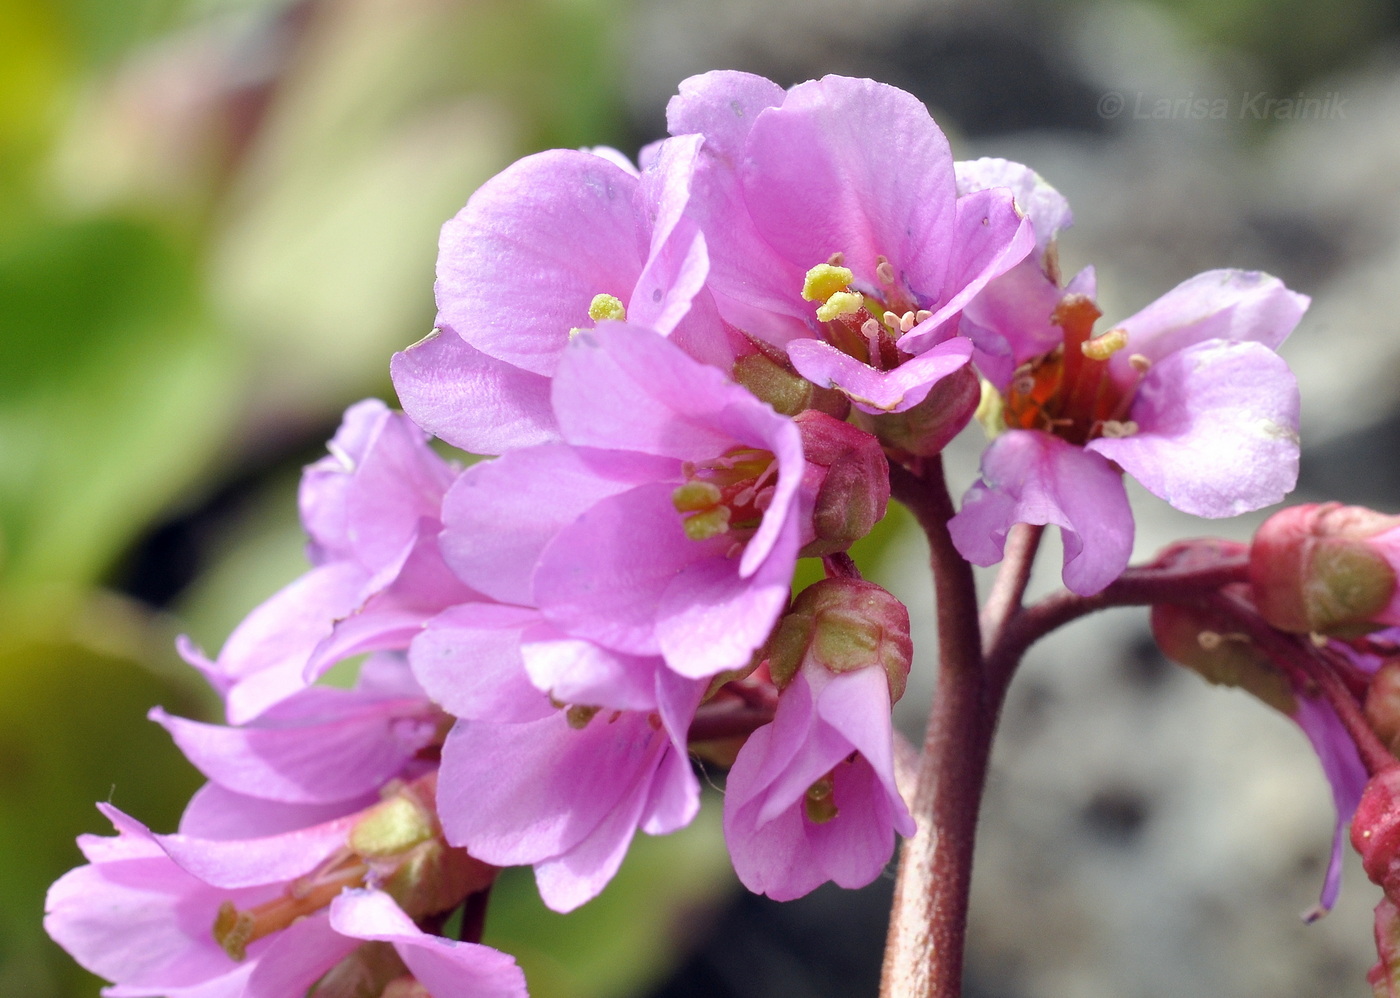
(1209, 640)
(884, 271)
(890, 320)
(871, 328)
(825, 280)
(1139, 363)
(839, 304)
(710, 523)
(922, 315)
(693, 496)
(606, 307)
(1105, 345)
(906, 322)
(836, 259)
(1117, 429)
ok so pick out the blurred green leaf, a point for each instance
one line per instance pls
(115, 391)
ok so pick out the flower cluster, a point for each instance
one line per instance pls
(687, 374)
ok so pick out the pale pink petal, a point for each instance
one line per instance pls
(520, 264)
(1046, 207)
(473, 401)
(1032, 477)
(1217, 429)
(856, 167)
(446, 967)
(502, 514)
(468, 660)
(1238, 305)
(875, 391)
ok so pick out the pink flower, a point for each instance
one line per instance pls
(667, 522)
(835, 229)
(267, 917)
(371, 510)
(556, 242)
(1187, 396)
(812, 796)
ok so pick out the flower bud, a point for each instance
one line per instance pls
(1326, 568)
(842, 625)
(849, 479)
(1375, 830)
(1383, 705)
(786, 391)
(925, 429)
(1202, 644)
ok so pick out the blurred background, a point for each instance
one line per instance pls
(218, 218)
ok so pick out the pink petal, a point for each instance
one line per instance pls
(1238, 305)
(709, 618)
(856, 167)
(1217, 429)
(604, 576)
(1046, 207)
(520, 264)
(473, 401)
(468, 660)
(446, 967)
(991, 237)
(1032, 477)
(875, 391)
(502, 514)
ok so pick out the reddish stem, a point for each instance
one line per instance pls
(924, 949)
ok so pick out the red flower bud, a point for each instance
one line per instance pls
(925, 429)
(1375, 830)
(1326, 568)
(849, 479)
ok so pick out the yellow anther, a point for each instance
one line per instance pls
(711, 523)
(839, 304)
(606, 307)
(825, 280)
(692, 497)
(1106, 345)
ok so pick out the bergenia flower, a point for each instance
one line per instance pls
(320, 746)
(667, 522)
(185, 917)
(555, 243)
(566, 793)
(1187, 396)
(835, 230)
(371, 510)
(812, 796)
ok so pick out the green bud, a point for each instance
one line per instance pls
(786, 391)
